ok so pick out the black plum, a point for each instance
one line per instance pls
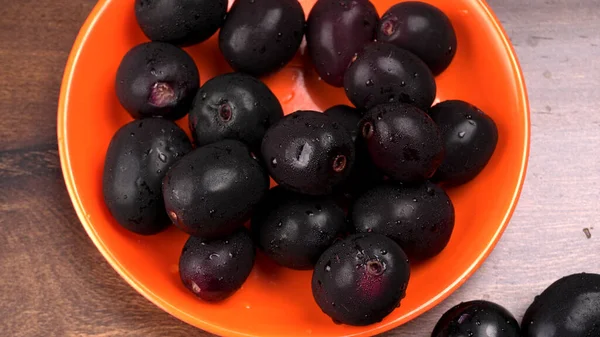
(422, 29)
(470, 137)
(364, 174)
(308, 152)
(138, 157)
(478, 319)
(215, 269)
(233, 106)
(294, 229)
(420, 218)
(570, 307)
(361, 279)
(403, 141)
(156, 79)
(384, 73)
(211, 191)
(336, 31)
(180, 22)
(261, 36)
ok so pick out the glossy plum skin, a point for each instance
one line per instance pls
(364, 174)
(138, 157)
(336, 31)
(308, 152)
(477, 319)
(213, 270)
(212, 191)
(422, 29)
(384, 73)
(470, 138)
(180, 22)
(403, 141)
(294, 229)
(361, 279)
(420, 218)
(259, 37)
(233, 106)
(156, 79)
(570, 307)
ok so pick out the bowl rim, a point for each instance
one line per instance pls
(71, 65)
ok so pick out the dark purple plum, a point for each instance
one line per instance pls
(308, 152)
(233, 106)
(157, 79)
(422, 29)
(295, 229)
(364, 174)
(212, 191)
(180, 22)
(478, 319)
(470, 137)
(336, 31)
(138, 157)
(215, 269)
(403, 141)
(420, 218)
(361, 279)
(384, 73)
(259, 37)
(569, 307)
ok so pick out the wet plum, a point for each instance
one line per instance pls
(308, 152)
(211, 191)
(361, 279)
(294, 229)
(233, 106)
(420, 218)
(570, 307)
(261, 36)
(470, 137)
(138, 157)
(403, 141)
(215, 269)
(180, 22)
(384, 73)
(478, 319)
(336, 31)
(422, 29)
(156, 79)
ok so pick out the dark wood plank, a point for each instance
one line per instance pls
(55, 283)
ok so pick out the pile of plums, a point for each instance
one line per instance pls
(358, 193)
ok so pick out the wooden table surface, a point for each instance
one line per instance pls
(55, 283)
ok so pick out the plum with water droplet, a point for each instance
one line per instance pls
(478, 319)
(233, 106)
(295, 229)
(260, 37)
(420, 218)
(361, 279)
(157, 79)
(336, 31)
(139, 155)
(215, 269)
(180, 22)
(384, 73)
(403, 142)
(308, 152)
(470, 138)
(569, 307)
(422, 29)
(212, 191)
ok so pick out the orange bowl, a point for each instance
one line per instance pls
(275, 301)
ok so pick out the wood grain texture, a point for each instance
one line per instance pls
(55, 283)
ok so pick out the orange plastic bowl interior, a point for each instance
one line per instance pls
(275, 301)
